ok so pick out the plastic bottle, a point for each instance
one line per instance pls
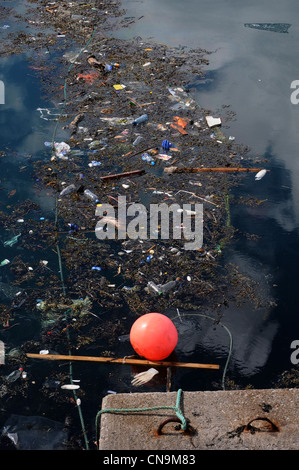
(147, 158)
(141, 119)
(137, 141)
(94, 144)
(167, 287)
(4, 262)
(153, 287)
(91, 195)
(68, 190)
(14, 375)
(123, 338)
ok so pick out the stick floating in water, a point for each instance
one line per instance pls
(111, 360)
(122, 175)
(175, 169)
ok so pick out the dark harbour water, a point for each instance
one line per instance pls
(250, 71)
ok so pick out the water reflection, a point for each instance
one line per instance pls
(21, 126)
(252, 335)
(251, 70)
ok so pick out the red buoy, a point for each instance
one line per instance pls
(153, 336)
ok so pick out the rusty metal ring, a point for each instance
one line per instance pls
(174, 419)
(273, 426)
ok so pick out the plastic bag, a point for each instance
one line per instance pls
(61, 149)
(35, 433)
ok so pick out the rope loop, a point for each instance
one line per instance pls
(176, 408)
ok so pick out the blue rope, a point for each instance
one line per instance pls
(57, 246)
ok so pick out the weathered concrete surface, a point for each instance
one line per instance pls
(218, 417)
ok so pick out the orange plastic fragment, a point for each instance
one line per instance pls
(179, 128)
(12, 193)
(180, 121)
(89, 77)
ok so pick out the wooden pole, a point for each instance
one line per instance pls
(140, 151)
(60, 357)
(122, 175)
(175, 169)
(168, 380)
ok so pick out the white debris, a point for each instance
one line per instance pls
(70, 387)
(211, 121)
(260, 175)
(144, 377)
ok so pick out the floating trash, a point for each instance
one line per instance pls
(260, 175)
(12, 241)
(273, 27)
(35, 433)
(70, 387)
(48, 114)
(94, 277)
(94, 163)
(166, 144)
(144, 377)
(4, 262)
(211, 121)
